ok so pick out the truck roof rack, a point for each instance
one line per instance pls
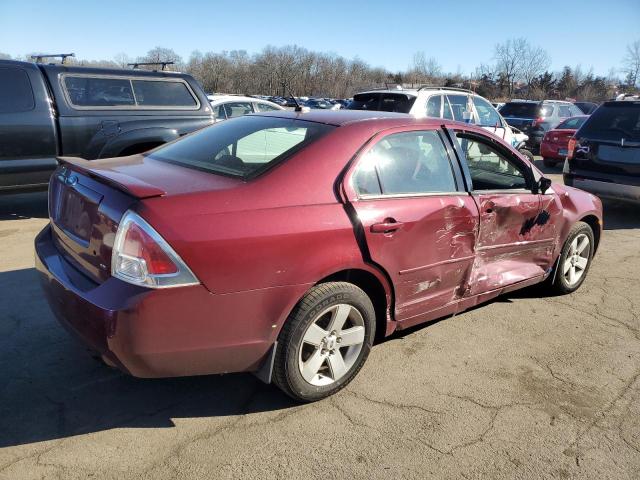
(135, 65)
(63, 56)
(435, 87)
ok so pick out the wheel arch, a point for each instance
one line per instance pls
(594, 223)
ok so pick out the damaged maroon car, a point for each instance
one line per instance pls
(285, 243)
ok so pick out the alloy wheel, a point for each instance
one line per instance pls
(577, 259)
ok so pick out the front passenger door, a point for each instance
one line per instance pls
(513, 244)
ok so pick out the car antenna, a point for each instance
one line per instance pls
(299, 108)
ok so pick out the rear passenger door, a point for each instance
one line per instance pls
(27, 128)
(417, 221)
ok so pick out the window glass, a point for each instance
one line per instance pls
(265, 107)
(237, 109)
(434, 105)
(571, 123)
(406, 163)
(218, 112)
(489, 168)
(16, 94)
(99, 91)
(565, 111)
(244, 147)
(446, 112)
(546, 111)
(487, 115)
(162, 94)
(459, 105)
(613, 121)
(385, 102)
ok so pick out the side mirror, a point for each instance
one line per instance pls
(543, 184)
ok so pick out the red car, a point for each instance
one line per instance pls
(284, 243)
(555, 143)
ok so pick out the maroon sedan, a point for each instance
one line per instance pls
(555, 143)
(284, 244)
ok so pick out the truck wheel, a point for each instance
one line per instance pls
(549, 162)
(575, 259)
(527, 154)
(324, 342)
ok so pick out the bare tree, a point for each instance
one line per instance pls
(122, 59)
(631, 63)
(161, 54)
(536, 61)
(510, 60)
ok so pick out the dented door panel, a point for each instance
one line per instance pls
(429, 258)
(514, 242)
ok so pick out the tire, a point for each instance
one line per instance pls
(307, 341)
(527, 154)
(548, 162)
(562, 283)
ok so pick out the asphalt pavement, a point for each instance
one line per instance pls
(526, 387)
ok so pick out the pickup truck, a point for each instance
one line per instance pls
(51, 110)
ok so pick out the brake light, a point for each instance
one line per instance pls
(537, 122)
(142, 257)
(571, 147)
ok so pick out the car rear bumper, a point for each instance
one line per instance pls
(163, 332)
(551, 151)
(611, 190)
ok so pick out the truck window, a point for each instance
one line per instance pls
(99, 91)
(162, 94)
(16, 94)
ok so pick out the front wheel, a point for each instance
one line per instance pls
(575, 259)
(324, 342)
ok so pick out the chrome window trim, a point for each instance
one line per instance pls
(130, 79)
(412, 195)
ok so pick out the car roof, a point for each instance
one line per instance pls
(214, 99)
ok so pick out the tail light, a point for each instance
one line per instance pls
(142, 257)
(537, 122)
(571, 147)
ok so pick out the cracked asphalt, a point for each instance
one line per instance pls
(524, 387)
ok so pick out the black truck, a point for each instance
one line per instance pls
(52, 110)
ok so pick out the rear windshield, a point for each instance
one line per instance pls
(614, 122)
(524, 110)
(241, 147)
(573, 123)
(383, 102)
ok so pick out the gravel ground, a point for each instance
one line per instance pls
(523, 387)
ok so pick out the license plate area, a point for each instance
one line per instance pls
(75, 208)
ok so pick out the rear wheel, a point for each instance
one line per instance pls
(548, 162)
(575, 259)
(324, 342)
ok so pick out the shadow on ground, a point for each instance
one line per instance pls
(23, 206)
(51, 388)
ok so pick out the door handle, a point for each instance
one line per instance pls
(386, 227)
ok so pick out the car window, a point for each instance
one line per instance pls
(613, 122)
(520, 110)
(16, 94)
(546, 111)
(460, 105)
(489, 168)
(564, 111)
(487, 114)
(237, 109)
(265, 107)
(159, 93)
(219, 113)
(385, 102)
(99, 91)
(571, 123)
(446, 111)
(244, 147)
(434, 105)
(405, 163)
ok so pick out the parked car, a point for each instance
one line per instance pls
(437, 102)
(229, 106)
(555, 143)
(51, 110)
(536, 118)
(604, 154)
(284, 243)
(321, 104)
(587, 107)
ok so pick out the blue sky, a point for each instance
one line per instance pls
(459, 34)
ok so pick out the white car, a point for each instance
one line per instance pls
(229, 106)
(440, 102)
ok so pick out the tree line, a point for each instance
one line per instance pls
(518, 70)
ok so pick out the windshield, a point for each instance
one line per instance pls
(525, 110)
(242, 147)
(614, 122)
(573, 123)
(384, 102)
